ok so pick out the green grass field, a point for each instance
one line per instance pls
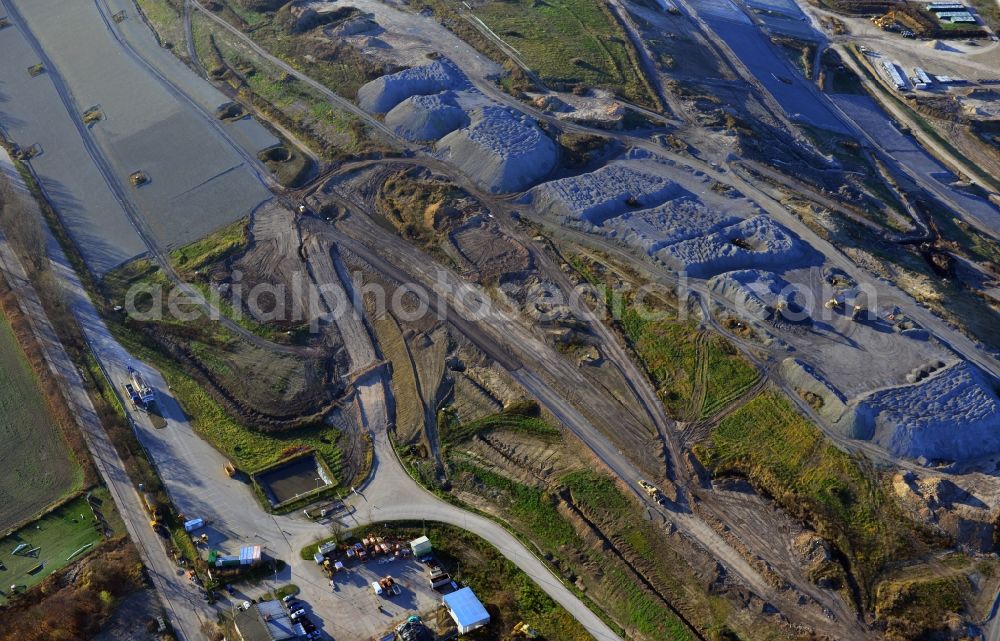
(57, 535)
(568, 42)
(842, 497)
(696, 374)
(211, 248)
(37, 464)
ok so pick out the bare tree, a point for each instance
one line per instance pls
(23, 227)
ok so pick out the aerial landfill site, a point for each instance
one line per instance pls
(622, 320)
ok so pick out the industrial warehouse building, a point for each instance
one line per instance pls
(467, 611)
(265, 621)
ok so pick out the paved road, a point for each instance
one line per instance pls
(176, 595)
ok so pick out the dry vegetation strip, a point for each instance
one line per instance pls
(409, 406)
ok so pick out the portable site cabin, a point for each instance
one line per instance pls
(193, 524)
(467, 611)
(250, 555)
(421, 547)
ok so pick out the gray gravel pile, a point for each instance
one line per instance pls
(757, 242)
(502, 150)
(427, 117)
(604, 193)
(677, 219)
(952, 416)
(755, 293)
(384, 93)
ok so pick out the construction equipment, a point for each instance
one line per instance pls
(651, 490)
(833, 303)
(155, 513)
(523, 630)
(230, 469)
(142, 389)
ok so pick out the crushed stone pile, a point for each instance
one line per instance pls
(677, 219)
(951, 416)
(502, 150)
(384, 93)
(427, 117)
(755, 293)
(757, 242)
(604, 193)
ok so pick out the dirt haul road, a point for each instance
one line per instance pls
(505, 340)
(192, 474)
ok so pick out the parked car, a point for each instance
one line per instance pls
(288, 598)
(297, 613)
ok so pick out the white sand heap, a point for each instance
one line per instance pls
(604, 193)
(680, 218)
(952, 416)
(755, 293)
(384, 93)
(427, 117)
(757, 242)
(504, 151)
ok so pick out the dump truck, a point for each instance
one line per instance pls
(142, 389)
(651, 490)
(153, 507)
(229, 469)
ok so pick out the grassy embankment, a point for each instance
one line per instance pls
(532, 512)
(841, 496)
(250, 449)
(696, 373)
(166, 19)
(332, 133)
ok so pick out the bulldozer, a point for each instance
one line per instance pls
(524, 631)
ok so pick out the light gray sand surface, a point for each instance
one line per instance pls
(952, 415)
(32, 113)
(197, 180)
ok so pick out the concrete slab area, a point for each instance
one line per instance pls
(775, 73)
(198, 181)
(360, 616)
(31, 113)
